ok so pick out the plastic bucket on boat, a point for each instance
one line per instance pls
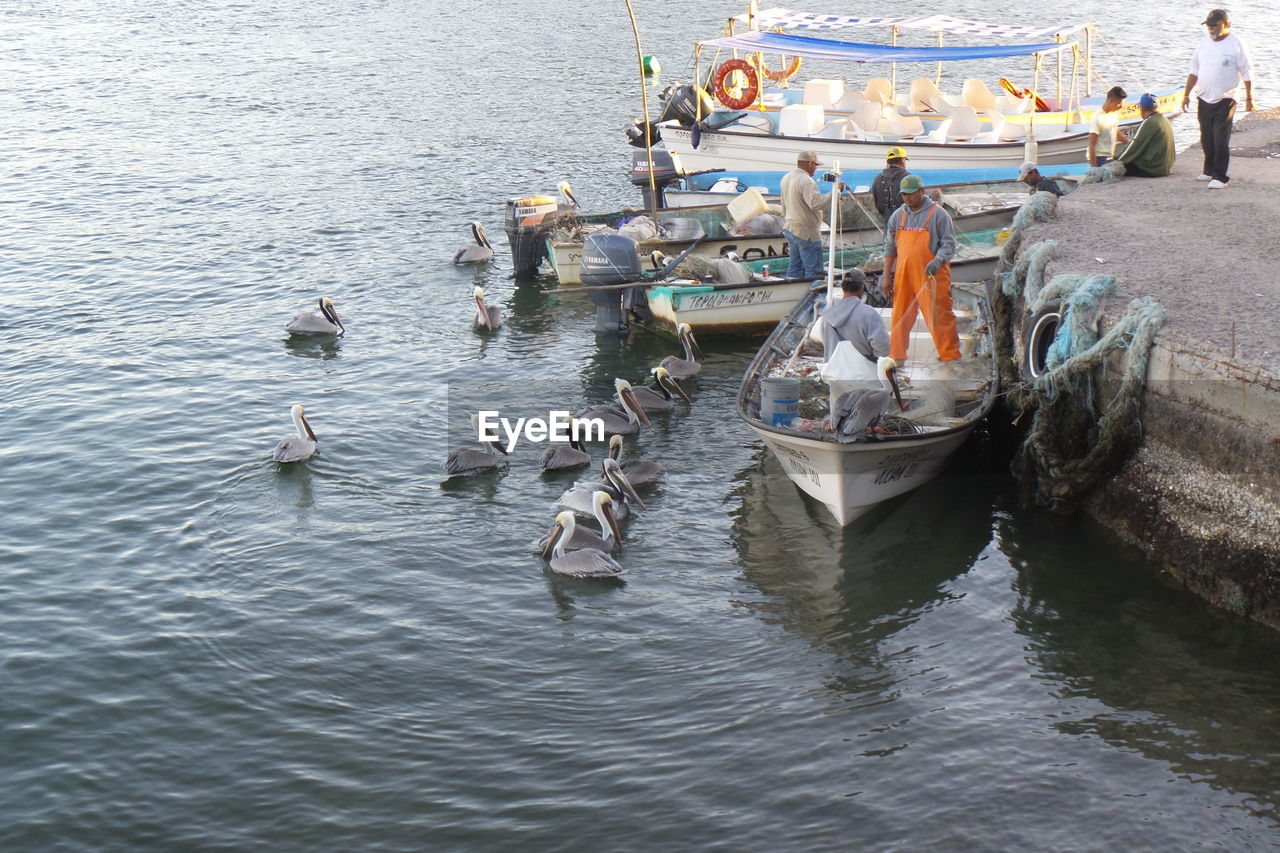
(779, 400)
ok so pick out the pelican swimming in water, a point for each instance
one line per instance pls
(578, 536)
(683, 368)
(858, 409)
(487, 316)
(622, 419)
(474, 253)
(581, 497)
(300, 447)
(561, 457)
(582, 563)
(661, 400)
(324, 323)
(640, 472)
(468, 461)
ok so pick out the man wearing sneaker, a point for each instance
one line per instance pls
(1219, 64)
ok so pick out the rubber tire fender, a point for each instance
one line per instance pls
(1038, 332)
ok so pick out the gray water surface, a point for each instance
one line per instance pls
(202, 650)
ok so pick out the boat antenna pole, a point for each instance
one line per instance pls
(835, 228)
(644, 105)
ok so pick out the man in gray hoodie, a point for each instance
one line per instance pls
(851, 319)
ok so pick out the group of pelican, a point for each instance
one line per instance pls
(301, 446)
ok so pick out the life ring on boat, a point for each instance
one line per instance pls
(1042, 106)
(1037, 336)
(783, 74)
(749, 93)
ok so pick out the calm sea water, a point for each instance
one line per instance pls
(200, 650)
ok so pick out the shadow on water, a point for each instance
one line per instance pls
(853, 586)
(533, 306)
(313, 346)
(1182, 683)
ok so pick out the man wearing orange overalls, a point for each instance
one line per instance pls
(919, 243)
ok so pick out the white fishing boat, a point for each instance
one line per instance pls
(725, 230)
(755, 306)
(756, 127)
(908, 446)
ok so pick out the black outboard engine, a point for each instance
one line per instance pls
(528, 222)
(609, 260)
(665, 173)
(686, 104)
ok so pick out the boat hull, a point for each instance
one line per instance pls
(729, 149)
(709, 310)
(850, 480)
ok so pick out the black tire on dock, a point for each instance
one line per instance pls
(1038, 333)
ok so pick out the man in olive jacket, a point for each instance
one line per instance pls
(1150, 154)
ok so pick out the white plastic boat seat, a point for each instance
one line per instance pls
(757, 122)
(823, 92)
(903, 127)
(976, 94)
(879, 89)
(1009, 105)
(850, 102)
(963, 124)
(801, 120)
(837, 128)
(867, 117)
(926, 97)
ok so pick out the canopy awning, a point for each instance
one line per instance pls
(791, 20)
(847, 51)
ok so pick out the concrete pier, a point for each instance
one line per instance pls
(1201, 495)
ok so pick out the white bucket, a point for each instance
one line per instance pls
(779, 400)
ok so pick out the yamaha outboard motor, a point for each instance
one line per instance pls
(609, 260)
(665, 173)
(528, 223)
(682, 104)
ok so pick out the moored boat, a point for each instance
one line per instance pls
(901, 451)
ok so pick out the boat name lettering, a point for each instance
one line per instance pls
(794, 453)
(719, 300)
(558, 426)
(755, 253)
(905, 456)
(897, 472)
(795, 467)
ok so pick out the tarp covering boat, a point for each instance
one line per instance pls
(791, 20)
(847, 51)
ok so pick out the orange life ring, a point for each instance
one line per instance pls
(749, 94)
(1042, 105)
(782, 74)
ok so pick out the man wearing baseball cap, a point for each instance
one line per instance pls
(1219, 64)
(884, 188)
(919, 243)
(802, 206)
(1151, 153)
(1030, 175)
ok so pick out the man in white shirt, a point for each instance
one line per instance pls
(1219, 64)
(1105, 128)
(802, 205)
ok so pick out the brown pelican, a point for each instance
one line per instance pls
(468, 461)
(660, 400)
(580, 498)
(623, 419)
(858, 409)
(559, 457)
(474, 253)
(641, 472)
(300, 447)
(487, 316)
(324, 323)
(567, 192)
(578, 537)
(582, 563)
(683, 368)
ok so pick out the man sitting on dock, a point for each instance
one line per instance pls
(850, 319)
(919, 243)
(802, 205)
(1105, 130)
(884, 188)
(1151, 153)
(1030, 175)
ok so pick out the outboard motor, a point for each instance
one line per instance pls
(665, 173)
(609, 260)
(529, 220)
(685, 104)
